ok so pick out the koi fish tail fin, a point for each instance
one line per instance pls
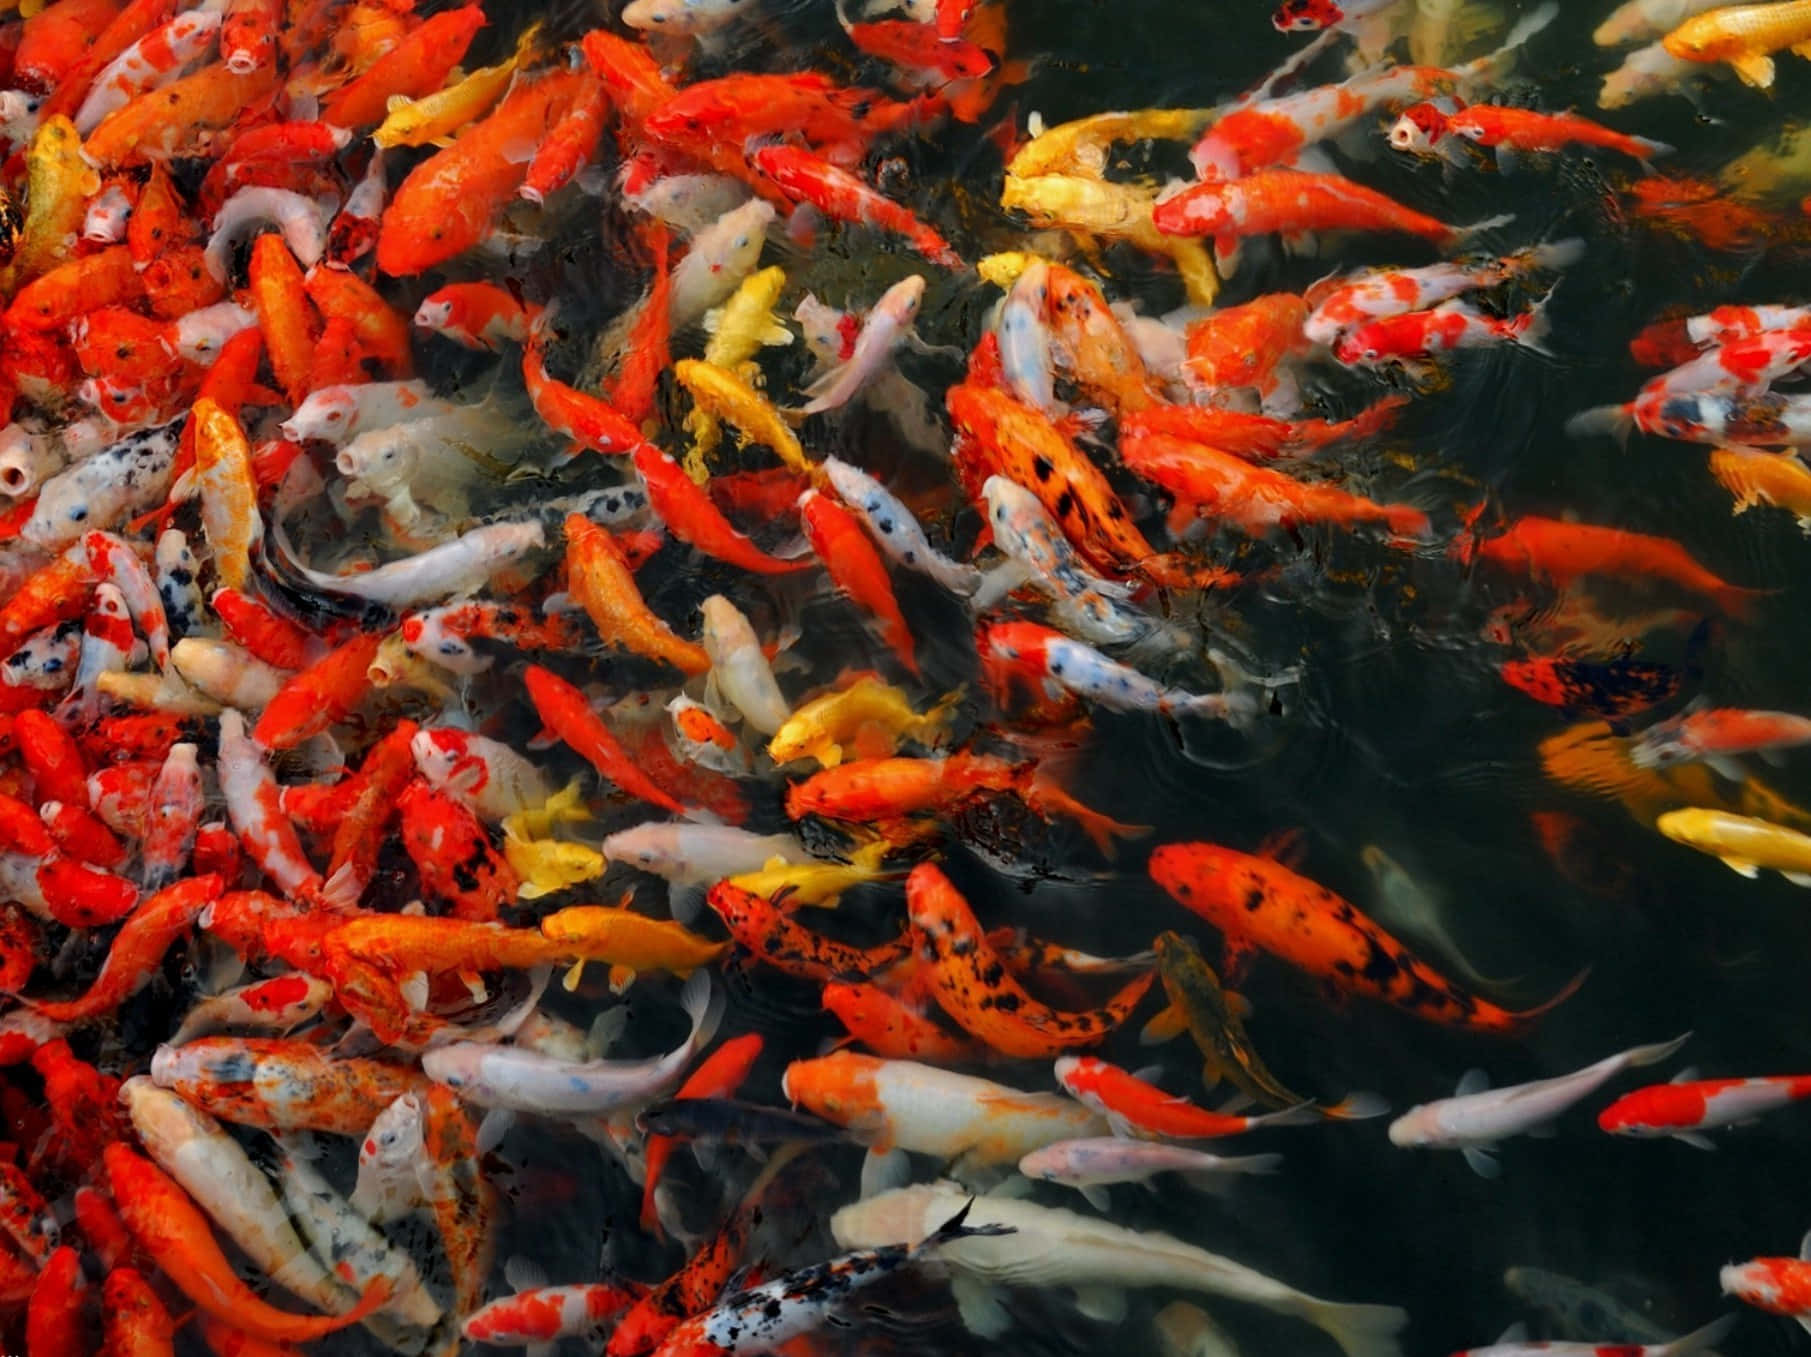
(1356, 1107)
(1653, 1055)
(1360, 1330)
(1553, 255)
(1527, 1016)
(1648, 150)
(374, 1298)
(1043, 795)
(1495, 64)
(1699, 1340)
(957, 1227)
(1740, 602)
(1409, 528)
(1458, 235)
(1616, 420)
(1533, 325)
(1376, 417)
(1302, 1114)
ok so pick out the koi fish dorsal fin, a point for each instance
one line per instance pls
(1286, 846)
(1472, 1081)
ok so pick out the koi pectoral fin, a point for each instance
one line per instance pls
(1166, 1026)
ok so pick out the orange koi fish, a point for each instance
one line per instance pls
(970, 982)
(600, 579)
(871, 791)
(56, 1316)
(1095, 347)
(893, 1029)
(1214, 485)
(1293, 202)
(446, 204)
(175, 1233)
(1744, 36)
(841, 196)
(161, 122)
(138, 949)
(419, 64)
(853, 561)
(1242, 346)
(687, 510)
(1562, 553)
(564, 711)
(589, 421)
(774, 937)
(321, 695)
(1258, 903)
(718, 1075)
(136, 1324)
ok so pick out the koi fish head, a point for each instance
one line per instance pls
(1079, 1075)
(326, 413)
(839, 1087)
(443, 756)
(1416, 131)
(1654, 1111)
(1306, 16)
(1781, 1286)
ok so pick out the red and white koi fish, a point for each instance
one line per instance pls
(1685, 1108)
(1053, 659)
(1727, 323)
(1780, 1286)
(887, 325)
(546, 1314)
(1716, 736)
(1478, 1117)
(1417, 335)
(486, 774)
(1379, 294)
(252, 805)
(1513, 1344)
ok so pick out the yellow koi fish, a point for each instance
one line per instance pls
(815, 883)
(1745, 36)
(433, 119)
(1742, 843)
(869, 718)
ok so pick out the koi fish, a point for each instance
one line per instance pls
(1089, 1166)
(525, 1081)
(1698, 1340)
(869, 717)
(1716, 736)
(1744, 36)
(1454, 325)
(897, 532)
(968, 980)
(972, 1123)
(1685, 1108)
(758, 1320)
(1134, 1107)
(1477, 1116)
(176, 1234)
(1779, 480)
(1050, 658)
(893, 1029)
(1261, 904)
(546, 1314)
(773, 936)
(1521, 129)
(1051, 1247)
(1563, 553)
(1742, 843)
(565, 711)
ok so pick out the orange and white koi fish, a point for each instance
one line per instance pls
(971, 1123)
(1259, 904)
(1378, 294)
(278, 1006)
(250, 790)
(546, 1314)
(1717, 736)
(969, 981)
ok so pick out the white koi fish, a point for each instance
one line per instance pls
(895, 530)
(338, 414)
(721, 256)
(391, 1158)
(1090, 1165)
(887, 326)
(740, 672)
(690, 854)
(450, 570)
(226, 673)
(1050, 1247)
(102, 491)
(299, 217)
(526, 1081)
(1478, 1117)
